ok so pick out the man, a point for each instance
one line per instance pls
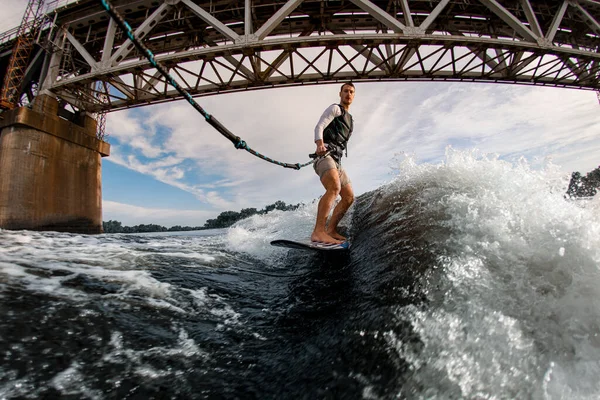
(331, 135)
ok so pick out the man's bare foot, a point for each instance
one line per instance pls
(337, 236)
(323, 237)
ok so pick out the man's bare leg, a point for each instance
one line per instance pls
(331, 182)
(339, 211)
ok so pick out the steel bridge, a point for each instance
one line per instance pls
(72, 61)
(222, 46)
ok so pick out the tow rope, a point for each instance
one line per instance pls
(236, 140)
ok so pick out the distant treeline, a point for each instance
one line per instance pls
(223, 220)
(584, 186)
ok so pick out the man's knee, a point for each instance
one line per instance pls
(351, 199)
(331, 182)
(348, 199)
(333, 189)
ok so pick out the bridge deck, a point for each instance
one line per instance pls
(221, 46)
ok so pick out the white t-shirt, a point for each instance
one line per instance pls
(329, 114)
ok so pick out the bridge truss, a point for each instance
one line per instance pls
(220, 46)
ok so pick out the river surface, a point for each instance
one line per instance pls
(470, 279)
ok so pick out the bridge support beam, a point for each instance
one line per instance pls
(50, 170)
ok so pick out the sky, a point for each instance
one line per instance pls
(169, 167)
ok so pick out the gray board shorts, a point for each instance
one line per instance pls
(325, 164)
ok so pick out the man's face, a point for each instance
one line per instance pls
(347, 95)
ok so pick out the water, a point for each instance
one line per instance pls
(471, 279)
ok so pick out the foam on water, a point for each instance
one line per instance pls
(253, 235)
(518, 296)
(514, 311)
(70, 383)
(48, 260)
(104, 277)
(52, 263)
(44, 261)
(185, 348)
(216, 304)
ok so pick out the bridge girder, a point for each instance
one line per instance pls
(222, 46)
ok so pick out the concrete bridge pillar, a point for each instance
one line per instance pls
(50, 170)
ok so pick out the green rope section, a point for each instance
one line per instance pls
(236, 140)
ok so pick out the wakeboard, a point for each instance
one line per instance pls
(310, 245)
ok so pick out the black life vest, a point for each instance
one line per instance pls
(337, 134)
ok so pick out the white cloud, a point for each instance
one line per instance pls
(526, 121)
(160, 168)
(133, 129)
(134, 215)
(394, 118)
(280, 131)
(163, 170)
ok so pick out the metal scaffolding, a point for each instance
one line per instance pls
(24, 43)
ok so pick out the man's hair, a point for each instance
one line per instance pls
(347, 84)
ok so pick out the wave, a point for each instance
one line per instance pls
(488, 277)
(472, 278)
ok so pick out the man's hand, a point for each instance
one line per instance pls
(321, 149)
